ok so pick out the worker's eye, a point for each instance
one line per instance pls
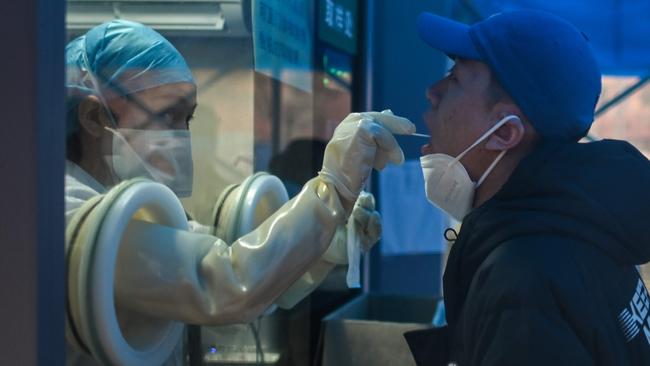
(163, 117)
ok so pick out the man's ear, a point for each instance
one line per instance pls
(510, 134)
(92, 116)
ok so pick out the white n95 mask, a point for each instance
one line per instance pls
(446, 181)
(134, 159)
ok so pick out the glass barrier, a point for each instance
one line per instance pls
(199, 96)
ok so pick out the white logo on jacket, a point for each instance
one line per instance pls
(635, 318)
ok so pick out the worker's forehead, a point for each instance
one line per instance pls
(181, 95)
(180, 92)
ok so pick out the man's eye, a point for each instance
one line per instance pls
(451, 75)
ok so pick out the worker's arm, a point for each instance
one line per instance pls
(199, 279)
(366, 222)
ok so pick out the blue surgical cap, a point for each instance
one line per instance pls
(120, 57)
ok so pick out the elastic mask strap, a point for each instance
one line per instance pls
(95, 83)
(487, 133)
(489, 169)
(118, 135)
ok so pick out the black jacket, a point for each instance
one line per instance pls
(544, 272)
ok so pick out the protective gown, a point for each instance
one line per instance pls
(199, 279)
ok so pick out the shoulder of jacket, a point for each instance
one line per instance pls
(524, 271)
(532, 253)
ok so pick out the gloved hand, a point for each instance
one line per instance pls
(367, 223)
(362, 141)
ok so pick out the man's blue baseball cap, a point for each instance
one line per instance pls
(545, 63)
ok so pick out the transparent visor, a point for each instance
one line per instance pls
(155, 150)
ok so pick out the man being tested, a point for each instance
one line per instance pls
(543, 269)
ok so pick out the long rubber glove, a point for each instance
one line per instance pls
(367, 224)
(199, 279)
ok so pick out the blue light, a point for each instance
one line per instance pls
(213, 350)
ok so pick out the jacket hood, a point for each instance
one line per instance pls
(597, 193)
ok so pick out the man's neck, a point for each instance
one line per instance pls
(501, 174)
(504, 169)
(498, 177)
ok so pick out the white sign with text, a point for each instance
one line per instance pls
(282, 40)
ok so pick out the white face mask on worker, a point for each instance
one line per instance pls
(446, 181)
(131, 158)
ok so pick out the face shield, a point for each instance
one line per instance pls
(121, 59)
